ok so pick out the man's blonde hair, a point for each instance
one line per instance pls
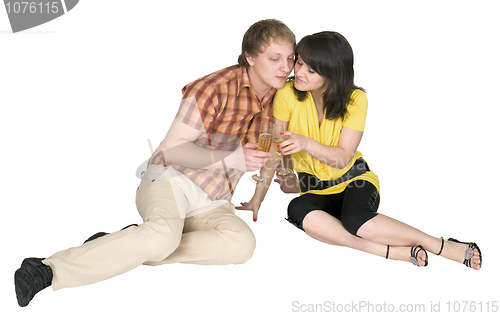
(259, 35)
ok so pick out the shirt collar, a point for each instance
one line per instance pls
(244, 81)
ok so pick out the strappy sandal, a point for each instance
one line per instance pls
(414, 255)
(469, 253)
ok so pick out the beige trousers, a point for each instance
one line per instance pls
(181, 224)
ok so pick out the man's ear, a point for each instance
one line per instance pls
(249, 59)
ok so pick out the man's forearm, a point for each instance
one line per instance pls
(193, 156)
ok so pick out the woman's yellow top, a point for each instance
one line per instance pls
(303, 120)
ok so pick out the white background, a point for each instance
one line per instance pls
(81, 95)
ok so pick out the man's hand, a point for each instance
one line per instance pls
(288, 184)
(254, 159)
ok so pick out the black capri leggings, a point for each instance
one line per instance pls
(357, 204)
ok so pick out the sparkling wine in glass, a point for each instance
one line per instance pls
(265, 142)
(278, 139)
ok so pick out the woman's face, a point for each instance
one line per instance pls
(307, 79)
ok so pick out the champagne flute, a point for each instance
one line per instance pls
(265, 142)
(278, 139)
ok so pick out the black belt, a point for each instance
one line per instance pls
(309, 182)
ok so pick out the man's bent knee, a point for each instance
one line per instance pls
(242, 246)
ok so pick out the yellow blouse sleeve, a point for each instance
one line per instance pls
(357, 109)
(281, 103)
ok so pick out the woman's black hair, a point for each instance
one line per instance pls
(330, 55)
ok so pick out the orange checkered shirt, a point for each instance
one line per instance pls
(227, 111)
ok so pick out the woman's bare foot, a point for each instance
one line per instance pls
(457, 252)
(404, 254)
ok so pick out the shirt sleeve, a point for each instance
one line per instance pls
(281, 103)
(197, 108)
(357, 110)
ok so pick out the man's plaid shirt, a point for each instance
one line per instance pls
(227, 111)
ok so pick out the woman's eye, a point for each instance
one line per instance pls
(312, 71)
(299, 62)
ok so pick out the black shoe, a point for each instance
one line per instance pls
(100, 234)
(95, 236)
(32, 277)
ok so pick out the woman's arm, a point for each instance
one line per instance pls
(267, 171)
(288, 184)
(337, 157)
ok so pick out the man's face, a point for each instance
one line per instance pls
(270, 68)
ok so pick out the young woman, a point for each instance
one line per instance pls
(323, 115)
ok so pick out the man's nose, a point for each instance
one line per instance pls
(286, 66)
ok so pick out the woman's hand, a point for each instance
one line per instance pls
(293, 143)
(288, 184)
(253, 205)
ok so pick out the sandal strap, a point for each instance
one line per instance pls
(387, 254)
(414, 255)
(469, 253)
(442, 245)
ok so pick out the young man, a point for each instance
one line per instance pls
(184, 196)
